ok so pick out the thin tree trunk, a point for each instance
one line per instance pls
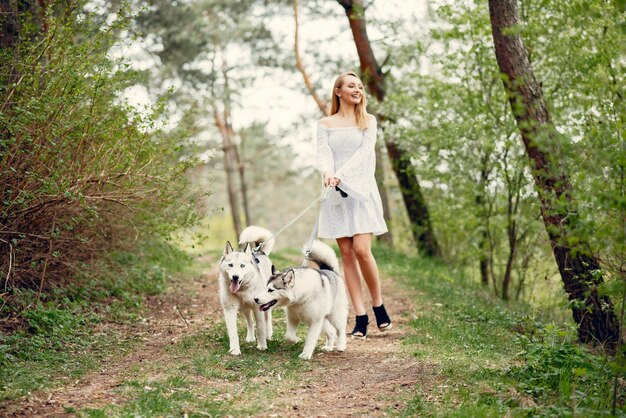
(490, 241)
(373, 77)
(241, 169)
(483, 261)
(321, 104)
(593, 313)
(483, 243)
(231, 189)
(506, 280)
(228, 124)
(513, 198)
(522, 277)
(242, 179)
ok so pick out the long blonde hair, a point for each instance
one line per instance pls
(360, 110)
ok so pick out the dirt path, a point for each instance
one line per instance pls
(371, 377)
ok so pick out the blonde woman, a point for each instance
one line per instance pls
(352, 213)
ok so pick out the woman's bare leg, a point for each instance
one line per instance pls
(351, 273)
(362, 249)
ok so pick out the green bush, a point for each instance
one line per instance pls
(83, 173)
(556, 369)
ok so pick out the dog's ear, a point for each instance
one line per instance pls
(273, 270)
(228, 248)
(289, 279)
(247, 248)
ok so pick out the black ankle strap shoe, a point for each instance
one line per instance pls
(382, 318)
(360, 327)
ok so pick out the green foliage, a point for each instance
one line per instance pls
(564, 372)
(82, 171)
(452, 114)
(492, 359)
(583, 76)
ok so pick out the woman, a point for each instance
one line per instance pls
(353, 211)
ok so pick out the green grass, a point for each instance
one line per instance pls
(494, 359)
(58, 342)
(172, 397)
(202, 379)
(484, 358)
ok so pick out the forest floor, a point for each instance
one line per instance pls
(179, 348)
(454, 350)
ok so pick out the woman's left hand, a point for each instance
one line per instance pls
(334, 181)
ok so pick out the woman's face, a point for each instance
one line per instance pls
(351, 90)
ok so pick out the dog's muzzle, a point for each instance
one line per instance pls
(266, 306)
(234, 284)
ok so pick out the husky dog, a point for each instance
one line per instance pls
(242, 275)
(314, 296)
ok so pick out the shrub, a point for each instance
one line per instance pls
(82, 172)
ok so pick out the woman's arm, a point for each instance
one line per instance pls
(324, 160)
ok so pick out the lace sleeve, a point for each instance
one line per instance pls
(323, 155)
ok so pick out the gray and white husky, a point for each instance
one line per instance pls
(314, 296)
(242, 275)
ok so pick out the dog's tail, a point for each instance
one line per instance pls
(255, 235)
(324, 256)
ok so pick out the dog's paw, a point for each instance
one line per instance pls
(250, 339)
(293, 339)
(234, 352)
(262, 347)
(328, 347)
(305, 356)
(341, 348)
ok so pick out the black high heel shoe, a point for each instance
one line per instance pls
(382, 318)
(360, 327)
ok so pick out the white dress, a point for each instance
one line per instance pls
(349, 154)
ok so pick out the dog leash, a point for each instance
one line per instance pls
(309, 244)
(321, 197)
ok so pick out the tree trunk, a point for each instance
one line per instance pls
(522, 277)
(593, 313)
(233, 199)
(414, 202)
(483, 261)
(230, 132)
(241, 170)
(321, 104)
(513, 186)
(483, 239)
(373, 77)
(506, 280)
